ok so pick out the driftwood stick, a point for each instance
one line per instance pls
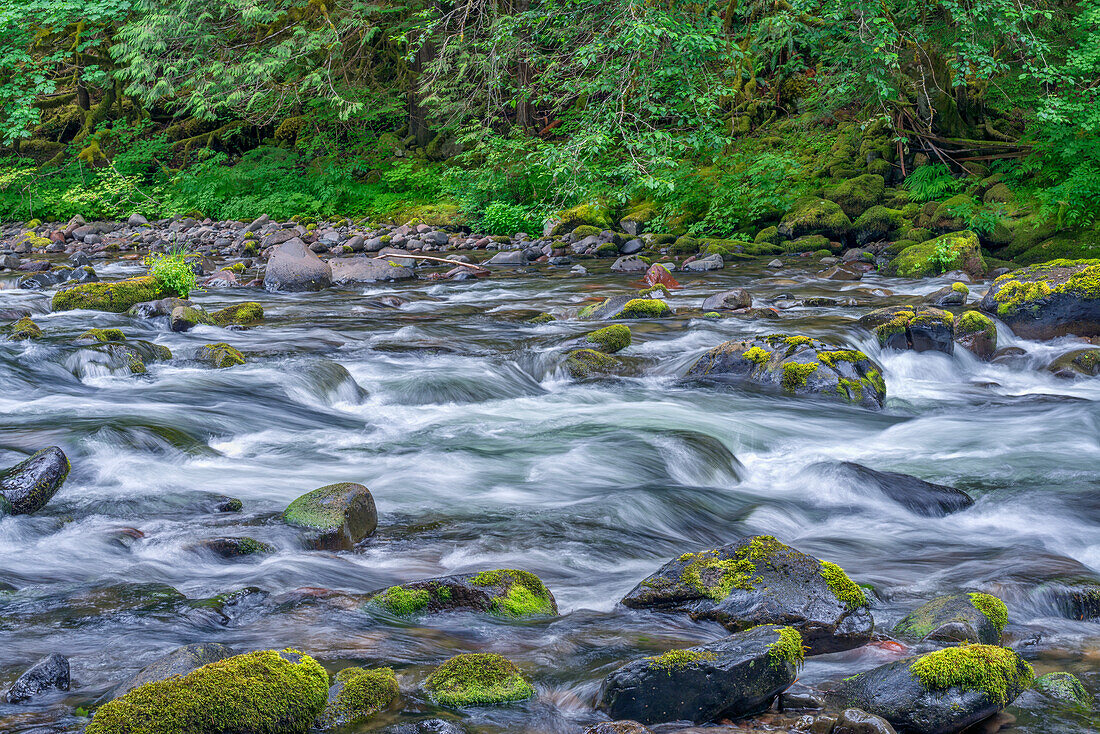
(444, 261)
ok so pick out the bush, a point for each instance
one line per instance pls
(507, 219)
(172, 271)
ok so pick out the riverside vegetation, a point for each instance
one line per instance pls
(547, 367)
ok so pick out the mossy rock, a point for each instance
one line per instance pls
(798, 365)
(1052, 299)
(1077, 363)
(815, 216)
(22, 330)
(477, 679)
(919, 328)
(505, 592)
(240, 314)
(584, 364)
(29, 485)
(856, 195)
(953, 251)
(593, 215)
(1065, 688)
(972, 617)
(610, 339)
(977, 333)
(132, 355)
(586, 230)
(103, 335)
(337, 515)
(810, 243)
(438, 214)
(877, 223)
(767, 236)
(115, 297)
(625, 307)
(179, 662)
(220, 355)
(264, 692)
(542, 318)
(356, 694)
(636, 218)
(760, 580)
(950, 216)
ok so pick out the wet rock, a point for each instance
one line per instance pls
(369, 270)
(356, 694)
(31, 483)
(843, 271)
(731, 678)
(1045, 301)
(180, 661)
(185, 318)
(703, 264)
(629, 264)
(22, 330)
(952, 251)
(972, 617)
(477, 679)
(508, 257)
(294, 267)
(502, 592)
(759, 580)
(730, 300)
(233, 547)
(976, 333)
(950, 295)
(114, 297)
(610, 339)
(240, 314)
(160, 307)
(219, 355)
(265, 691)
(427, 726)
(858, 721)
(798, 365)
(920, 329)
(801, 700)
(588, 363)
(51, 671)
(1077, 363)
(942, 692)
(1065, 688)
(618, 727)
(625, 307)
(917, 495)
(815, 216)
(631, 247)
(57, 276)
(131, 355)
(338, 515)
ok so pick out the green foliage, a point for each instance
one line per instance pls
(173, 271)
(506, 219)
(932, 182)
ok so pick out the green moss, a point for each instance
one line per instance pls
(240, 314)
(542, 318)
(584, 363)
(1024, 288)
(361, 693)
(1064, 687)
(319, 509)
(114, 297)
(795, 374)
(973, 322)
(610, 339)
(715, 577)
(995, 670)
(24, 328)
(960, 288)
(843, 588)
(658, 288)
(952, 251)
(993, 608)
(220, 355)
(799, 341)
(757, 355)
(264, 692)
(676, 659)
(644, 308)
(477, 679)
(586, 230)
(526, 595)
(104, 335)
(788, 648)
(831, 359)
(712, 315)
(401, 601)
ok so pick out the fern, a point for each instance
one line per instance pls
(929, 183)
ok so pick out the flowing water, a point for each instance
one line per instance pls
(481, 453)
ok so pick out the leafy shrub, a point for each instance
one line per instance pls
(929, 183)
(173, 271)
(507, 219)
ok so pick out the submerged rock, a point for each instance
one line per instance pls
(51, 671)
(31, 483)
(798, 365)
(356, 694)
(731, 678)
(294, 267)
(503, 592)
(1065, 688)
(1048, 300)
(180, 661)
(1078, 363)
(942, 692)
(115, 297)
(234, 547)
(338, 515)
(858, 721)
(477, 679)
(973, 617)
(760, 580)
(921, 328)
(586, 363)
(264, 691)
(917, 495)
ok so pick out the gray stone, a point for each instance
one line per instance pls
(294, 268)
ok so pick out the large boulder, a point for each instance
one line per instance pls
(368, 270)
(29, 485)
(266, 691)
(51, 671)
(729, 679)
(337, 515)
(1077, 363)
(920, 328)
(115, 297)
(976, 332)
(942, 692)
(917, 495)
(477, 679)
(504, 592)
(760, 580)
(798, 365)
(180, 661)
(973, 617)
(1044, 301)
(294, 267)
(629, 264)
(356, 694)
(952, 251)
(625, 307)
(815, 216)
(731, 300)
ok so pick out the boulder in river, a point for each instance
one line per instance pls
(625, 307)
(233, 547)
(798, 365)
(920, 328)
(1048, 300)
(185, 318)
(629, 264)
(355, 694)
(1065, 688)
(951, 251)
(338, 515)
(618, 727)
(477, 679)
(583, 364)
(942, 692)
(976, 332)
(30, 484)
(51, 671)
(917, 495)
(116, 297)
(610, 339)
(1077, 363)
(239, 314)
(369, 270)
(815, 216)
(294, 267)
(265, 691)
(760, 580)
(22, 330)
(220, 355)
(504, 592)
(180, 661)
(973, 617)
(735, 677)
(731, 300)
(950, 295)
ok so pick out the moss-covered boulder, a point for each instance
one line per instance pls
(815, 216)
(583, 364)
(1077, 363)
(240, 314)
(30, 484)
(729, 679)
(811, 243)
(505, 592)
(477, 679)
(952, 251)
(610, 339)
(185, 318)
(179, 662)
(264, 692)
(590, 214)
(1045, 301)
(22, 330)
(942, 692)
(798, 365)
(115, 297)
(337, 515)
(920, 328)
(857, 195)
(220, 355)
(972, 617)
(1065, 688)
(625, 307)
(356, 694)
(760, 580)
(976, 332)
(636, 218)
(953, 214)
(950, 295)
(233, 547)
(130, 355)
(102, 335)
(877, 224)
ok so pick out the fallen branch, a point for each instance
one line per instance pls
(444, 261)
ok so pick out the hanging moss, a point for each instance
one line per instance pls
(995, 670)
(993, 608)
(788, 648)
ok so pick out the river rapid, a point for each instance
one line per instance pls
(482, 453)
